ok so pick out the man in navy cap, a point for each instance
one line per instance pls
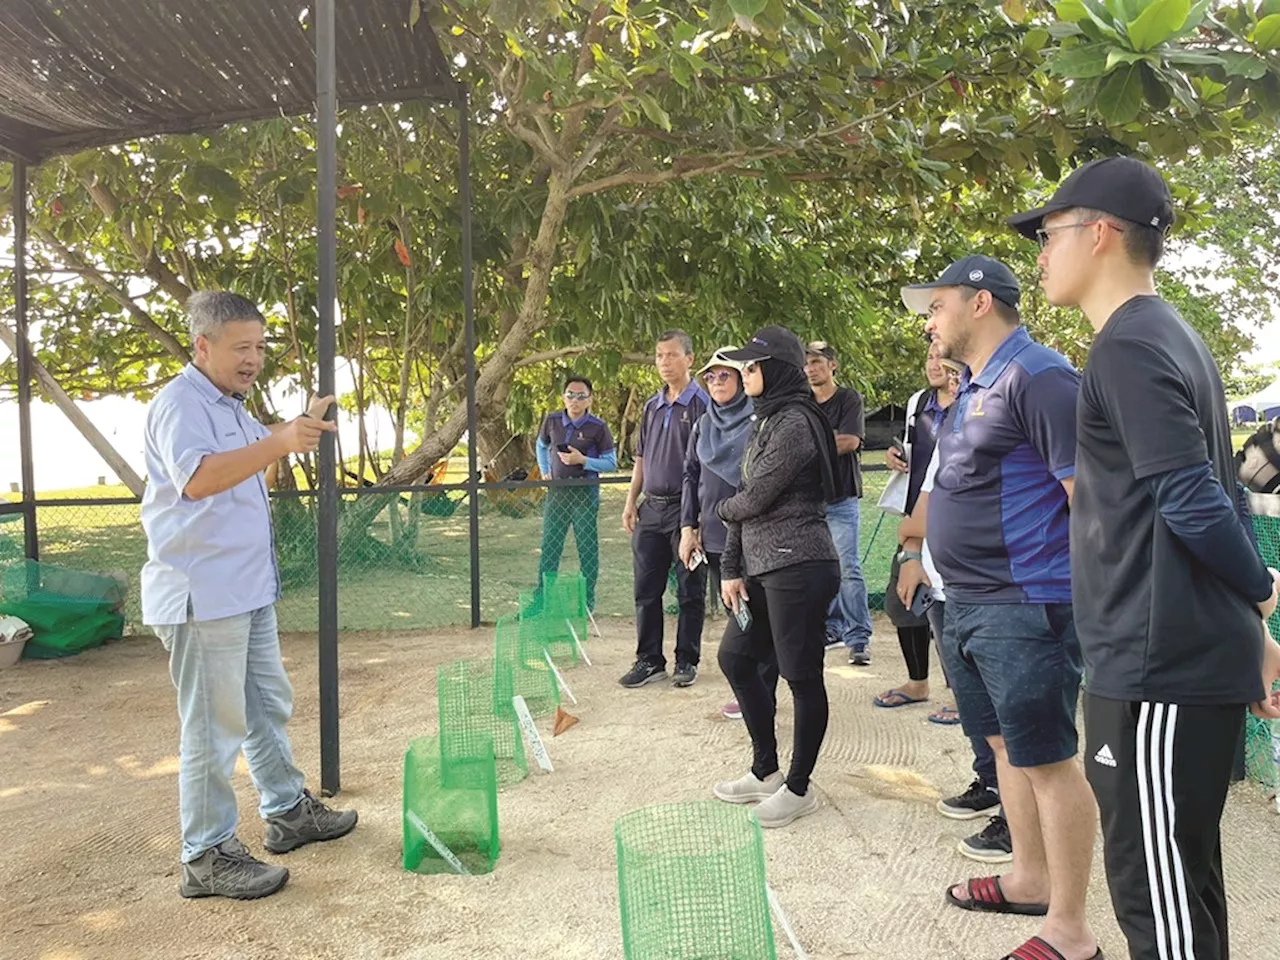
(1170, 592)
(998, 531)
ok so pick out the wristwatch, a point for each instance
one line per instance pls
(905, 555)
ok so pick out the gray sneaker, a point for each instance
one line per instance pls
(229, 870)
(308, 822)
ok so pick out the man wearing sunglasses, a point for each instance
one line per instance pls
(849, 619)
(574, 445)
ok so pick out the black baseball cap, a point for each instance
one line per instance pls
(777, 343)
(820, 348)
(976, 271)
(1121, 186)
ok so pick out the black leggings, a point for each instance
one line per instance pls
(788, 610)
(915, 650)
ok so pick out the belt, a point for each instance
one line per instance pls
(660, 498)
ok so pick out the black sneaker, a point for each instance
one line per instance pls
(978, 801)
(642, 672)
(992, 845)
(310, 821)
(684, 676)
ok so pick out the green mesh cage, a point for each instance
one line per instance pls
(68, 610)
(516, 645)
(549, 628)
(691, 884)
(1262, 737)
(462, 817)
(565, 598)
(475, 708)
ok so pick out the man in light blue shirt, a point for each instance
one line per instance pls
(209, 589)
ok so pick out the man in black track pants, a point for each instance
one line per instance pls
(1167, 581)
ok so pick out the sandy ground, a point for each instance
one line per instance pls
(88, 808)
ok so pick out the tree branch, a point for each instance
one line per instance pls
(546, 356)
(151, 264)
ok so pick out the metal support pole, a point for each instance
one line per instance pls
(469, 319)
(31, 537)
(326, 290)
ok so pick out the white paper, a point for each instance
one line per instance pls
(894, 498)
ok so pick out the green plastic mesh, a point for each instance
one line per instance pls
(1262, 737)
(691, 884)
(475, 708)
(565, 597)
(68, 610)
(462, 815)
(549, 628)
(516, 645)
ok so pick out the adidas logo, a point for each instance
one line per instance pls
(1105, 756)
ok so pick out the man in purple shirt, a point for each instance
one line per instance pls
(654, 522)
(209, 589)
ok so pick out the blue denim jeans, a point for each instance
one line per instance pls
(848, 619)
(233, 694)
(984, 758)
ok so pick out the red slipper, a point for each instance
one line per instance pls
(1037, 949)
(985, 896)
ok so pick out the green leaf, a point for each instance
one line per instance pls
(1244, 65)
(1118, 55)
(1086, 60)
(1127, 10)
(1035, 40)
(1048, 166)
(1102, 18)
(1156, 24)
(1070, 11)
(1267, 8)
(654, 111)
(748, 8)
(1120, 96)
(1015, 10)
(1266, 35)
(1156, 93)
(415, 13)
(1195, 58)
(1196, 17)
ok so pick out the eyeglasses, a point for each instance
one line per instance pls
(716, 376)
(576, 395)
(1043, 235)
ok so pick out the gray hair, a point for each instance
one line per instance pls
(675, 333)
(209, 310)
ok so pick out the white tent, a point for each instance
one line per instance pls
(1263, 405)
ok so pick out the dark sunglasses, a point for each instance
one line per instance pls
(576, 395)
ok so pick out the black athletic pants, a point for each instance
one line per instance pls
(655, 545)
(788, 627)
(914, 642)
(1160, 772)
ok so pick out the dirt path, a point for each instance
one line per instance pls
(88, 809)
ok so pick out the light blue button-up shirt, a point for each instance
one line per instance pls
(215, 556)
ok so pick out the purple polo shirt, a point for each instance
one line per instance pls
(997, 525)
(664, 438)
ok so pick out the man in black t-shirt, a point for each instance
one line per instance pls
(849, 619)
(1167, 582)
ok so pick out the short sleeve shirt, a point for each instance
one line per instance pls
(844, 412)
(1154, 623)
(209, 558)
(664, 438)
(590, 436)
(998, 520)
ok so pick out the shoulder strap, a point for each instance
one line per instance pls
(922, 400)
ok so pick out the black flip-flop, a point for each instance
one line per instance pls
(985, 896)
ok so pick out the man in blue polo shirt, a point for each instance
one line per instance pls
(573, 445)
(654, 522)
(998, 530)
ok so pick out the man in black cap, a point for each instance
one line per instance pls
(998, 532)
(1169, 587)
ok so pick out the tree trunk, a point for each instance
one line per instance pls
(49, 387)
(497, 449)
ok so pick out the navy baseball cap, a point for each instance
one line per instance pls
(777, 343)
(976, 271)
(1121, 186)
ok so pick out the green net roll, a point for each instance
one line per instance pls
(691, 884)
(475, 709)
(462, 819)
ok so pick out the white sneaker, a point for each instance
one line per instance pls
(748, 789)
(784, 806)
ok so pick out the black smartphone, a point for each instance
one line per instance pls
(563, 447)
(922, 601)
(898, 445)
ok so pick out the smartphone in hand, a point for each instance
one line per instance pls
(697, 559)
(921, 601)
(563, 447)
(743, 616)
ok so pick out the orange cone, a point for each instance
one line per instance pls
(563, 722)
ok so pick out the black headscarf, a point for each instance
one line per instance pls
(786, 386)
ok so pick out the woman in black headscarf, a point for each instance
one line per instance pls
(780, 571)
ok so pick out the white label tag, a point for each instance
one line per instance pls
(531, 735)
(592, 617)
(784, 923)
(559, 677)
(578, 643)
(448, 855)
